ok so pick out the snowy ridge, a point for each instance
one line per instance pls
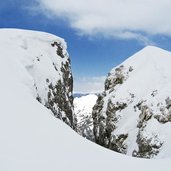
(132, 116)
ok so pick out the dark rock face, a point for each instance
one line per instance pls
(105, 119)
(97, 119)
(105, 126)
(118, 77)
(117, 143)
(59, 98)
(59, 50)
(148, 147)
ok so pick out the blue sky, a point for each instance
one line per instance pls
(96, 46)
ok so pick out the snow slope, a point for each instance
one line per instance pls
(134, 113)
(83, 111)
(31, 139)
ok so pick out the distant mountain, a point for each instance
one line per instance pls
(83, 112)
(80, 94)
(83, 94)
(133, 114)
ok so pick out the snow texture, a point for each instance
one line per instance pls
(31, 139)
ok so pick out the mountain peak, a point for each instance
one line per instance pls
(148, 53)
(133, 111)
(151, 48)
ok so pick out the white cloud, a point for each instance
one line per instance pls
(125, 19)
(89, 84)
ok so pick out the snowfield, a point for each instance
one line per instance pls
(31, 138)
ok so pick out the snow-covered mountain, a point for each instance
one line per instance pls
(40, 63)
(133, 114)
(83, 111)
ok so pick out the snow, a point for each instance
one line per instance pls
(83, 105)
(39, 65)
(150, 82)
(31, 139)
(35, 56)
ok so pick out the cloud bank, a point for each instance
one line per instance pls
(89, 84)
(124, 19)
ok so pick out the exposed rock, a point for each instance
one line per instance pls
(117, 143)
(59, 94)
(105, 121)
(59, 50)
(145, 114)
(114, 79)
(97, 119)
(148, 147)
(165, 112)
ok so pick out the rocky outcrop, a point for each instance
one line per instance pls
(148, 146)
(59, 97)
(59, 94)
(45, 61)
(133, 114)
(106, 112)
